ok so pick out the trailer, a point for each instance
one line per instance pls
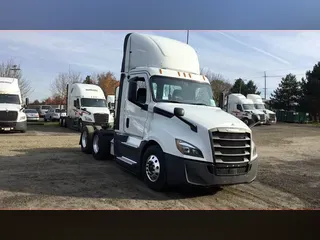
(167, 128)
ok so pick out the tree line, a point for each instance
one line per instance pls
(303, 95)
(291, 93)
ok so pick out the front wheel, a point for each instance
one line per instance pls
(246, 121)
(86, 139)
(154, 169)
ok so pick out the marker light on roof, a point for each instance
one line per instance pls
(190, 75)
(160, 70)
(179, 74)
(184, 74)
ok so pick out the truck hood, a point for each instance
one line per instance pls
(256, 111)
(94, 110)
(208, 117)
(10, 107)
(266, 111)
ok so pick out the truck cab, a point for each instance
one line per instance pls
(111, 103)
(260, 105)
(86, 105)
(243, 108)
(167, 128)
(12, 116)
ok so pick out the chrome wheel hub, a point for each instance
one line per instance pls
(153, 168)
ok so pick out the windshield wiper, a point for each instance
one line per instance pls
(201, 104)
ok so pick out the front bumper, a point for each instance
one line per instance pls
(107, 125)
(182, 171)
(13, 126)
(33, 119)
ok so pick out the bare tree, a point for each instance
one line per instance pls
(59, 86)
(218, 83)
(6, 70)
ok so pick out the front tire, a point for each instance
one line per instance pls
(154, 169)
(86, 139)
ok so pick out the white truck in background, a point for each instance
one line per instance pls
(86, 105)
(111, 103)
(244, 109)
(167, 128)
(259, 104)
(12, 116)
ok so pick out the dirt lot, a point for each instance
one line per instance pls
(44, 168)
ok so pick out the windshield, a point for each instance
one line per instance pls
(248, 106)
(9, 98)
(92, 102)
(30, 111)
(45, 107)
(259, 106)
(167, 89)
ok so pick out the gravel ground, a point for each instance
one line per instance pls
(44, 168)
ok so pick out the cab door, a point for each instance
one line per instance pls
(136, 107)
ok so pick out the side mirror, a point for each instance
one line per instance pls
(109, 104)
(27, 101)
(179, 112)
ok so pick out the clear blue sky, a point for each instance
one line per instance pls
(233, 54)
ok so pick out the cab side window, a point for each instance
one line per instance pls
(137, 91)
(239, 107)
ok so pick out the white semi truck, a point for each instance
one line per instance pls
(259, 104)
(86, 105)
(167, 128)
(12, 116)
(111, 103)
(244, 109)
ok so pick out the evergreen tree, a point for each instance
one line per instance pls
(310, 87)
(287, 94)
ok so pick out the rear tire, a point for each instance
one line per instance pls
(154, 169)
(86, 139)
(101, 143)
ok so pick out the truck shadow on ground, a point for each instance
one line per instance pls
(47, 128)
(69, 172)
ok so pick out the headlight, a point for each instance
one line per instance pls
(23, 118)
(254, 150)
(188, 149)
(88, 119)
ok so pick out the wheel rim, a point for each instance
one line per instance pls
(84, 139)
(153, 168)
(95, 144)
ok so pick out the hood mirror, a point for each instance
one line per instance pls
(179, 112)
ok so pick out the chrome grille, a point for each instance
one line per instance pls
(272, 117)
(8, 115)
(262, 117)
(101, 118)
(231, 147)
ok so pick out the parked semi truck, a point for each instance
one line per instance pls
(111, 103)
(244, 109)
(86, 105)
(167, 128)
(259, 104)
(12, 116)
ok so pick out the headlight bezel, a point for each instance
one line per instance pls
(182, 147)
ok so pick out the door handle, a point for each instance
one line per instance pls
(127, 122)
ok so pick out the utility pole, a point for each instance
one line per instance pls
(14, 69)
(187, 36)
(265, 85)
